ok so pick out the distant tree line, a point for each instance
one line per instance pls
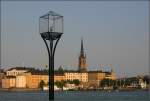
(123, 82)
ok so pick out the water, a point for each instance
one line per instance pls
(76, 96)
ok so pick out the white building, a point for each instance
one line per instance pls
(72, 75)
(15, 71)
(20, 81)
(142, 84)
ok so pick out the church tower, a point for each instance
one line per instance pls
(82, 59)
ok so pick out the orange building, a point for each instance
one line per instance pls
(1, 77)
(9, 82)
(59, 77)
(28, 80)
(94, 77)
(33, 80)
(110, 75)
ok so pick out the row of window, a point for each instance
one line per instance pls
(13, 73)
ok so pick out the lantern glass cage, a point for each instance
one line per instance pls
(51, 23)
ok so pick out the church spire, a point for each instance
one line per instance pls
(82, 49)
(82, 58)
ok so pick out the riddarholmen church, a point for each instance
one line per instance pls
(90, 78)
(82, 59)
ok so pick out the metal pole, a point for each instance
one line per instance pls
(51, 72)
(51, 68)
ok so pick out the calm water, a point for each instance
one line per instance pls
(76, 96)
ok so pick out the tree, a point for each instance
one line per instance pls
(107, 82)
(41, 84)
(76, 82)
(128, 82)
(60, 84)
(60, 70)
(104, 82)
(146, 79)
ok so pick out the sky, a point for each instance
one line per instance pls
(114, 33)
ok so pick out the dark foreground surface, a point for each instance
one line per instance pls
(76, 96)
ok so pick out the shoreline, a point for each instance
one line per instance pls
(39, 90)
(18, 89)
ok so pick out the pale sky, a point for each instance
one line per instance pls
(114, 33)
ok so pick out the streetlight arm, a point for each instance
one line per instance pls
(49, 53)
(55, 46)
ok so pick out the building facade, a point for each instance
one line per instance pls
(95, 77)
(72, 75)
(21, 81)
(15, 71)
(1, 77)
(33, 80)
(25, 80)
(59, 77)
(9, 82)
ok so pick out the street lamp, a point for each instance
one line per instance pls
(51, 30)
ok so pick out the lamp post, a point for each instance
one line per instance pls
(51, 30)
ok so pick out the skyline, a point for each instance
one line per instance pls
(113, 33)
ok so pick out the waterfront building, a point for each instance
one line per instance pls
(2, 74)
(72, 75)
(58, 76)
(142, 84)
(16, 71)
(33, 80)
(21, 77)
(9, 82)
(21, 81)
(110, 75)
(95, 77)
